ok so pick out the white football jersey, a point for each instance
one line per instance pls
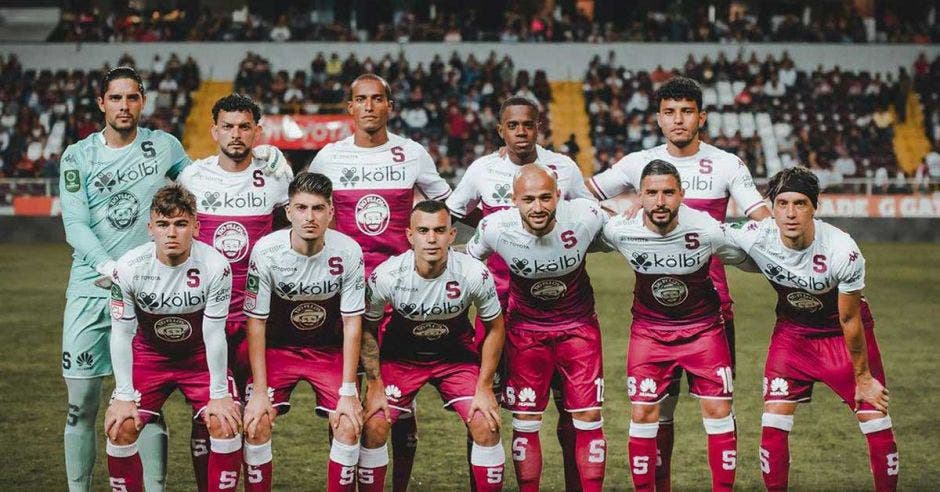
(673, 287)
(549, 288)
(169, 304)
(235, 209)
(374, 191)
(808, 282)
(305, 297)
(488, 182)
(709, 178)
(429, 316)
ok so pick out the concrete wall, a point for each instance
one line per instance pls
(25, 230)
(562, 61)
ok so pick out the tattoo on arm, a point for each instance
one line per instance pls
(369, 354)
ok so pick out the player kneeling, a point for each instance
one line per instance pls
(304, 300)
(169, 302)
(429, 339)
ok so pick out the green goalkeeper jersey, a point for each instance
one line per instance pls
(105, 194)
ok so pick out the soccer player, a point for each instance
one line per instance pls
(236, 205)
(304, 301)
(169, 302)
(552, 323)
(430, 340)
(375, 174)
(824, 330)
(488, 183)
(676, 321)
(710, 176)
(106, 184)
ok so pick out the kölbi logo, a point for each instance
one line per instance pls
(351, 177)
(289, 290)
(412, 310)
(125, 176)
(159, 301)
(520, 266)
(646, 261)
(781, 275)
(250, 199)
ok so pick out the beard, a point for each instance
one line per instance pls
(237, 156)
(662, 224)
(548, 222)
(693, 134)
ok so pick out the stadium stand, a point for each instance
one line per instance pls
(42, 112)
(768, 112)
(603, 21)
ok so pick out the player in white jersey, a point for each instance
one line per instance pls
(169, 302)
(375, 174)
(304, 298)
(553, 327)
(430, 340)
(487, 185)
(676, 321)
(824, 330)
(710, 176)
(236, 206)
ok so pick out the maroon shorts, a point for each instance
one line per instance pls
(321, 367)
(533, 357)
(455, 381)
(156, 376)
(795, 362)
(652, 365)
(238, 362)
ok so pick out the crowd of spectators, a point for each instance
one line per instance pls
(526, 22)
(43, 111)
(767, 111)
(927, 84)
(450, 106)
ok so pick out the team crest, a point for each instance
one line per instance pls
(308, 316)
(231, 239)
(548, 290)
(123, 209)
(173, 329)
(372, 214)
(430, 331)
(804, 301)
(669, 291)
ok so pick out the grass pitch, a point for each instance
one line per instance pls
(828, 451)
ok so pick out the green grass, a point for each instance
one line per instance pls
(829, 453)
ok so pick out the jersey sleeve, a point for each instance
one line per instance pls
(616, 180)
(218, 296)
(352, 300)
(377, 296)
(258, 286)
(429, 181)
(742, 189)
(849, 267)
(76, 215)
(466, 196)
(577, 189)
(721, 246)
(123, 329)
(280, 191)
(483, 293)
(178, 160)
(319, 160)
(478, 246)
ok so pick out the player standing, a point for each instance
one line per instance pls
(553, 327)
(676, 321)
(824, 330)
(169, 302)
(304, 299)
(710, 176)
(106, 184)
(488, 183)
(430, 340)
(236, 206)
(375, 174)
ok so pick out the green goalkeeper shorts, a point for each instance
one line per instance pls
(86, 335)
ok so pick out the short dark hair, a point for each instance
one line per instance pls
(659, 167)
(518, 101)
(429, 207)
(377, 78)
(236, 103)
(679, 88)
(798, 179)
(173, 200)
(312, 183)
(124, 72)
